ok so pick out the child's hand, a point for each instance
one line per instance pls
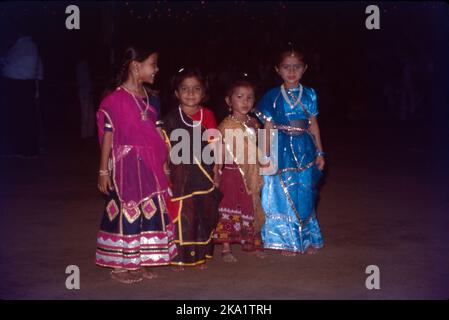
(105, 184)
(320, 162)
(170, 184)
(167, 173)
(217, 179)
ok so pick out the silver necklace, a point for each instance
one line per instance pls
(188, 124)
(298, 100)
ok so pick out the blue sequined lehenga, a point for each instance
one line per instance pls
(289, 196)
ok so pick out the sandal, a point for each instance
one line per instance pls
(227, 256)
(202, 266)
(126, 277)
(259, 254)
(178, 268)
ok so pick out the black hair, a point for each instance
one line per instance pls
(130, 54)
(189, 72)
(291, 50)
(240, 83)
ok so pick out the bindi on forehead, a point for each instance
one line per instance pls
(290, 60)
(243, 89)
(296, 64)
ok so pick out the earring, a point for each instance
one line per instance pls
(230, 110)
(136, 73)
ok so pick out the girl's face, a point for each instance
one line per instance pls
(241, 100)
(291, 70)
(148, 68)
(190, 92)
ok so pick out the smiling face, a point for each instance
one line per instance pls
(241, 100)
(291, 70)
(190, 92)
(148, 68)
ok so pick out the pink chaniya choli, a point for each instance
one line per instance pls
(138, 151)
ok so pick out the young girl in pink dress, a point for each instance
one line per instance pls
(136, 231)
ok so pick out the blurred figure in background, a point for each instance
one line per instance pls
(84, 84)
(410, 97)
(21, 70)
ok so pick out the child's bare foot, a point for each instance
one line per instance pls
(259, 254)
(248, 247)
(311, 250)
(126, 277)
(178, 268)
(202, 266)
(288, 253)
(147, 273)
(227, 256)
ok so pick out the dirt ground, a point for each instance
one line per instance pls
(384, 201)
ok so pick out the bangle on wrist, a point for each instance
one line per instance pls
(320, 153)
(103, 172)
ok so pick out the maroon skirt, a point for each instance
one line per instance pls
(236, 219)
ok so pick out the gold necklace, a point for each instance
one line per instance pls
(245, 124)
(144, 112)
(248, 118)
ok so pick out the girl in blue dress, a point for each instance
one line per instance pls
(289, 195)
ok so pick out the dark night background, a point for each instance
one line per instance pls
(384, 197)
(358, 73)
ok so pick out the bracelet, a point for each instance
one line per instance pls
(320, 153)
(103, 172)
